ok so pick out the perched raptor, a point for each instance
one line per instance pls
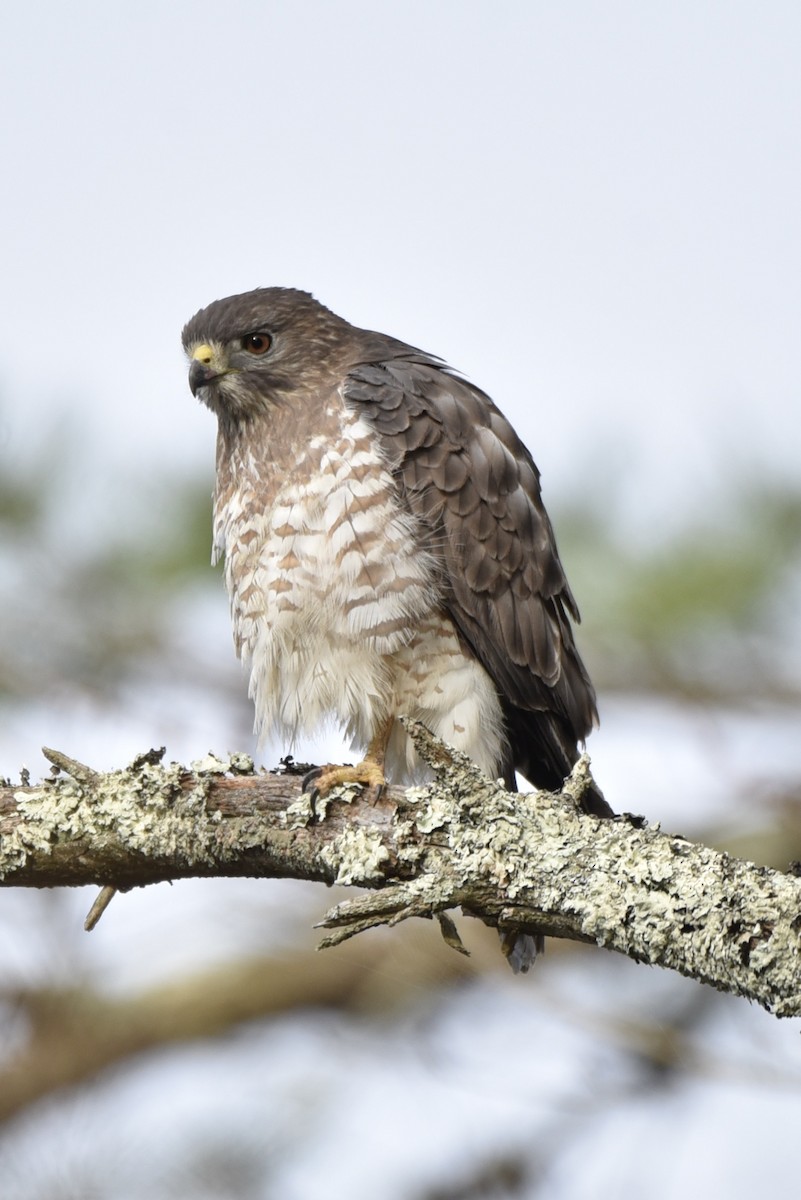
(386, 548)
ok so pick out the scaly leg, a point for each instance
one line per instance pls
(369, 772)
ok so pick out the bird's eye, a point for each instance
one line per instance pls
(257, 343)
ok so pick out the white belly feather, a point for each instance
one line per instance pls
(336, 605)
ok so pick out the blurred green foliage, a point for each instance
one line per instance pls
(22, 502)
(85, 612)
(705, 610)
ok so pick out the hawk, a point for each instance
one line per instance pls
(387, 551)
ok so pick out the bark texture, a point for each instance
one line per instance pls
(531, 862)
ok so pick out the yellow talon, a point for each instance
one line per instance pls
(367, 772)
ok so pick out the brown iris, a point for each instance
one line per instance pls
(257, 343)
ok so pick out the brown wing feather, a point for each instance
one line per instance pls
(467, 474)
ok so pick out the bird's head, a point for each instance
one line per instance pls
(250, 352)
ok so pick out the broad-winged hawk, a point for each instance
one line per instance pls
(386, 547)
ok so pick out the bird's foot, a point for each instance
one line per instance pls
(322, 780)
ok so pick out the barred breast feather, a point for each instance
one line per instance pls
(336, 598)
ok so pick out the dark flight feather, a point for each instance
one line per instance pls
(466, 473)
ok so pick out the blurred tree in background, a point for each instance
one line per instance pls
(703, 611)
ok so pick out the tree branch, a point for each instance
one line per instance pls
(530, 862)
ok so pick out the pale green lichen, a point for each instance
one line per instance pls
(309, 809)
(241, 764)
(234, 764)
(145, 810)
(356, 855)
(300, 813)
(629, 888)
(436, 810)
(626, 886)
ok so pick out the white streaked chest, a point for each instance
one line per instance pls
(326, 573)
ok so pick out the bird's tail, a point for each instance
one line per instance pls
(544, 753)
(521, 949)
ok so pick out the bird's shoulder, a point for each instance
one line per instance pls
(450, 442)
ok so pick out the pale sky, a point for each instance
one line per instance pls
(593, 210)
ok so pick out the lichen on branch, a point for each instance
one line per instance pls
(533, 862)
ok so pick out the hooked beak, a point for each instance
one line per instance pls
(199, 376)
(205, 368)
